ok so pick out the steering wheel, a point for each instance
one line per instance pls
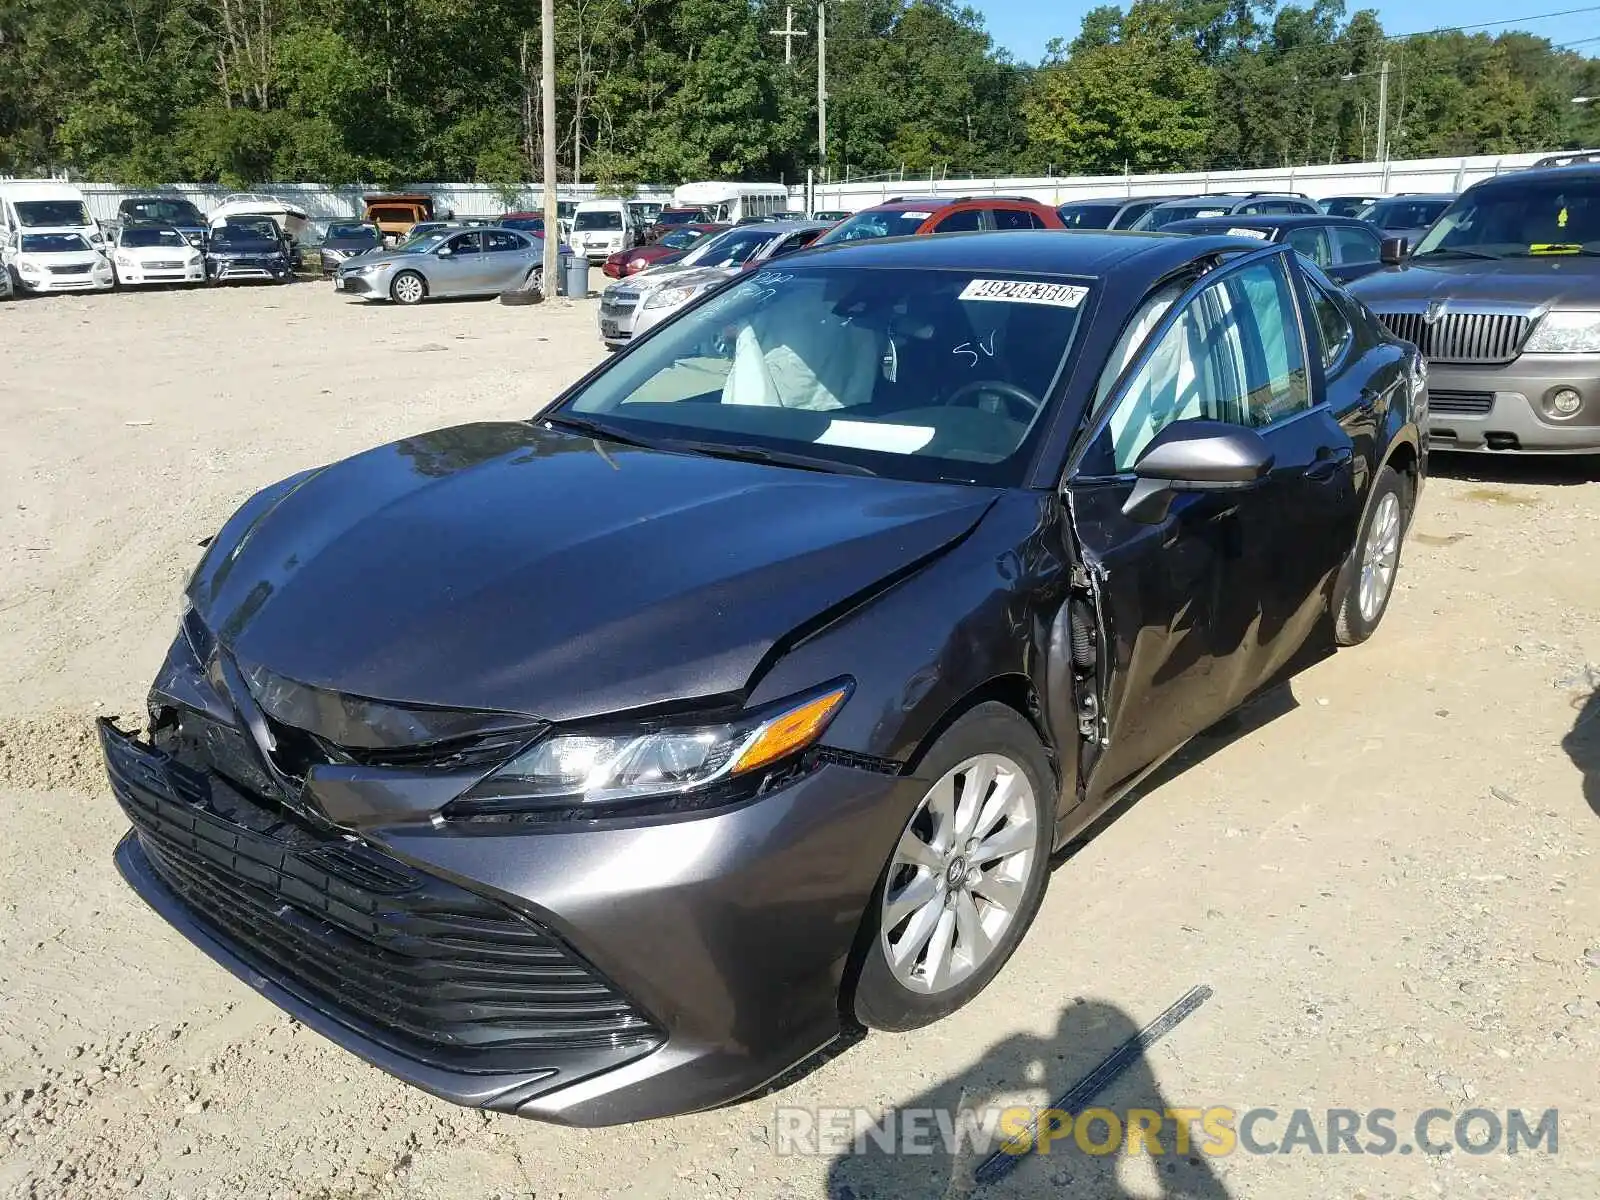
(1009, 392)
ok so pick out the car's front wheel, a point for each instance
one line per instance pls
(1372, 571)
(966, 876)
(408, 288)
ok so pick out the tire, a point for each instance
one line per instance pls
(916, 909)
(1375, 561)
(408, 288)
(529, 291)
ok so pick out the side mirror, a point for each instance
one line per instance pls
(1195, 456)
(1393, 251)
(444, 252)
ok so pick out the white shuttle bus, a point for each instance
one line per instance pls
(733, 202)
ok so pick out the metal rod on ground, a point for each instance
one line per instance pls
(1076, 1098)
(547, 90)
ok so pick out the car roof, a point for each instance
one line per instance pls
(1540, 174)
(1444, 196)
(1033, 251)
(1278, 221)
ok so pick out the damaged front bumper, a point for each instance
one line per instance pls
(587, 973)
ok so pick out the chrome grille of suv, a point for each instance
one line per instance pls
(1461, 337)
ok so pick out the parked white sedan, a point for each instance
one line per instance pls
(58, 262)
(152, 253)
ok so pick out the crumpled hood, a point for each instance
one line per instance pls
(510, 566)
(1552, 280)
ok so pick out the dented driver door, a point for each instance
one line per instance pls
(1195, 610)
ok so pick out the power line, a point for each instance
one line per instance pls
(1570, 12)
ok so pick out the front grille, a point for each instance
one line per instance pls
(1468, 403)
(163, 266)
(1461, 337)
(430, 969)
(614, 311)
(71, 270)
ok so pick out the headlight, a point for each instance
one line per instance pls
(1566, 333)
(584, 772)
(670, 297)
(28, 269)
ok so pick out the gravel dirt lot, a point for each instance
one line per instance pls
(1388, 872)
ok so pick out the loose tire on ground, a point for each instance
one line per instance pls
(529, 291)
(891, 997)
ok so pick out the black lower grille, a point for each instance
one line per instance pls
(1461, 337)
(428, 968)
(1466, 403)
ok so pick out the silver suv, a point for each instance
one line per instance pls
(1502, 295)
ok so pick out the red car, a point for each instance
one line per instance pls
(907, 215)
(670, 248)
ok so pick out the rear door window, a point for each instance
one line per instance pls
(1014, 218)
(1312, 241)
(961, 221)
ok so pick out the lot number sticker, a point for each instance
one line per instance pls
(1019, 291)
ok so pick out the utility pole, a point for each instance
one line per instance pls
(547, 87)
(1383, 112)
(822, 85)
(788, 33)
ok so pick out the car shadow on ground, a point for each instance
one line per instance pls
(1582, 745)
(1549, 470)
(1086, 1033)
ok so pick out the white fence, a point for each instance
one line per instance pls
(473, 199)
(324, 203)
(1336, 179)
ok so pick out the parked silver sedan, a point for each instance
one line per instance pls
(447, 262)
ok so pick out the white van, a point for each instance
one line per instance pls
(602, 227)
(45, 206)
(731, 203)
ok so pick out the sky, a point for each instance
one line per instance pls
(1024, 26)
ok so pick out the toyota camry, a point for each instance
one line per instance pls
(606, 764)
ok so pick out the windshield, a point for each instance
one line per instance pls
(43, 213)
(168, 212)
(526, 224)
(918, 374)
(236, 233)
(424, 242)
(1344, 206)
(1190, 210)
(1403, 214)
(53, 243)
(565, 209)
(598, 219)
(729, 249)
(682, 239)
(679, 216)
(137, 238)
(1087, 216)
(877, 224)
(646, 209)
(1553, 216)
(353, 232)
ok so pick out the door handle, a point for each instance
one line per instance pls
(1328, 462)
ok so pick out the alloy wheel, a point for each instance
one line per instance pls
(408, 289)
(959, 874)
(1381, 557)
